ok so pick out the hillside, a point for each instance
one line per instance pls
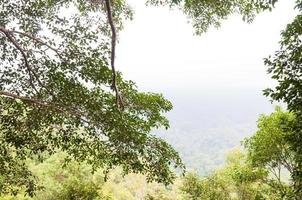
(204, 127)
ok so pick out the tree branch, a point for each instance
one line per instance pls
(277, 176)
(43, 103)
(13, 41)
(30, 70)
(119, 100)
(38, 40)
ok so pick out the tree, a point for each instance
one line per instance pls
(238, 180)
(210, 188)
(75, 181)
(59, 89)
(247, 181)
(269, 148)
(285, 68)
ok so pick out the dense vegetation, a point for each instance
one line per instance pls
(262, 172)
(62, 103)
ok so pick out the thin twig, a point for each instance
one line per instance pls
(38, 40)
(277, 176)
(119, 100)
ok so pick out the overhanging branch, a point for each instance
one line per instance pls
(38, 40)
(50, 105)
(31, 71)
(9, 36)
(119, 100)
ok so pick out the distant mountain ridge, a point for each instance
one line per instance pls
(205, 126)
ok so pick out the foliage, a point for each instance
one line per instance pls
(14, 173)
(248, 181)
(72, 181)
(285, 68)
(204, 14)
(238, 180)
(59, 90)
(270, 148)
(56, 93)
(77, 181)
(212, 187)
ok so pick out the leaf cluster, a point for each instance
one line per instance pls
(206, 13)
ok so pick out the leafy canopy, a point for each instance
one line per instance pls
(59, 89)
(238, 180)
(270, 148)
(206, 13)
(285, 66)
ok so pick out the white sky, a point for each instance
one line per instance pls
(159, 51)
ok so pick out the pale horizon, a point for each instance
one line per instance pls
(159, 51)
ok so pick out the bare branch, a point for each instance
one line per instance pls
(119, 100)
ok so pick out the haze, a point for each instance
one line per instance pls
(215, 80)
